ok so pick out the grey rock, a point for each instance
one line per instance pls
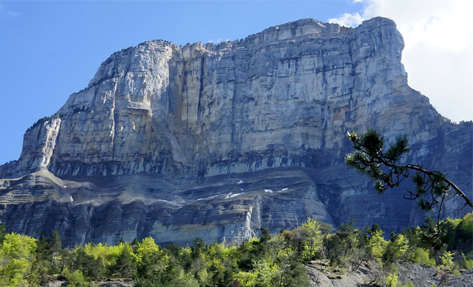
(217, 141)
(370, 274)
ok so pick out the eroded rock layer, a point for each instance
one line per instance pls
(217, 141)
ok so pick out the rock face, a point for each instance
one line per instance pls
(217, 141)
(370, 274)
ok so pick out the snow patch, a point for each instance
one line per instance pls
(230, 195)
(210, 197)
(267, 190)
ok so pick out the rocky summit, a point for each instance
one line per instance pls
(217, 141)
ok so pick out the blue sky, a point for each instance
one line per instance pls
(50, 49)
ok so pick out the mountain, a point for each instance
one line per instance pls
(217, 141)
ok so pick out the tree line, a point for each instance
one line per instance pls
(270, 260)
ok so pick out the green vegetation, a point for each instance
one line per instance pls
(271, 260)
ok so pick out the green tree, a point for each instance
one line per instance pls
(16, 256)
(396, 248)
(124, 266)
(85, 262)
(3, 232)
(375, 228)
(56, 242)
(198, 247)
(460, 233)
(311, 239)
(47, 253)
(377, 245)
(294, 275)
(262, 275)
(347, 246)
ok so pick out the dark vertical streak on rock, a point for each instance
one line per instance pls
(184, 92)
(200, 107)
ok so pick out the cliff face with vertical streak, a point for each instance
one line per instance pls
(217, 141)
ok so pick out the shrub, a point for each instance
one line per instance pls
(421, 256)
(391, 281)
(447, 260)
(466, 263)
(76, 279)
(456, 273)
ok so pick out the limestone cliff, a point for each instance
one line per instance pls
(219, 140)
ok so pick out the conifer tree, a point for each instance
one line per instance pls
(124, 267)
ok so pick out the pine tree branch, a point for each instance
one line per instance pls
(369, 159)
(428, 172)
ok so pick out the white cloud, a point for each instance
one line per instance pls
(5, 14)
(218, 41)
(349, 20)
(438, 55)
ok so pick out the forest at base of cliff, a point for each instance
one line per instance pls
(271, 260)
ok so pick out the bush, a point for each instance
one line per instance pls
(422, 257)
(466, 263)
(76, 279)
(391, 281)
(447, 260)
